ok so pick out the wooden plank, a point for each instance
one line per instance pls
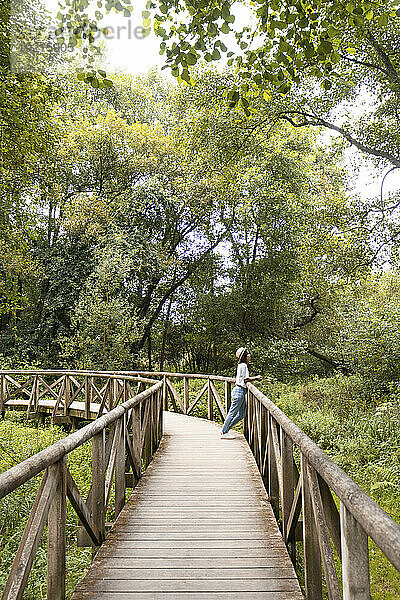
(58, 400)
(140, 595)
(108, 586)
(3, 392)
(226, 547)
(205, 574)
(209, 562)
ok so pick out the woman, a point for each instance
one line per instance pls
(237, 410)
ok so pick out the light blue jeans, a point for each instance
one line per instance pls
(237, 410)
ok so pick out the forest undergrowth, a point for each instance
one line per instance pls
(360, 431)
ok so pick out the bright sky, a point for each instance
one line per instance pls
(126, 50)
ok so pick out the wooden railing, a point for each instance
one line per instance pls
(69, 395)
(307, 487)
(66, 395)
(123, 442)
(314, 501)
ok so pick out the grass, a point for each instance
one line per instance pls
(19, 440)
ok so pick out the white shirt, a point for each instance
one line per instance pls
(242, 373)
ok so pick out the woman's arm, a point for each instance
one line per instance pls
(255, 378)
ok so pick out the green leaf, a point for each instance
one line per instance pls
(191, 58)
(383, 20)
(325, 47)
(267, 95)
(225, 28)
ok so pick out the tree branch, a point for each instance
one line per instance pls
(308, 119)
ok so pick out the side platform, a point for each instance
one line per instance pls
(197, 525)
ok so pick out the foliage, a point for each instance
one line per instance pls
(18, 441)
(362, 439)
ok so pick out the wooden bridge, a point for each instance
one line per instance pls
(207, 518)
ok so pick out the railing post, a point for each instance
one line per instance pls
(273, 481)
(146, 433)
(113, 393)
(246, 420)
(288, 484)
(165, 393)
(355, 558)
(227, 395)
(160, 415)
(56, 540)
(136, 437)
(312, 557)
(120, 465)
(98, 482)
(210, 405)
(67, 393)
(185, 395)
(154, 422)
(87, 396)
(2, 393)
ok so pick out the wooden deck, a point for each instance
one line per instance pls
(198, 525)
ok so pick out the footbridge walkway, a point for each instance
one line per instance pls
(207, 518)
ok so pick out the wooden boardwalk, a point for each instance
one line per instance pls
(198, 525)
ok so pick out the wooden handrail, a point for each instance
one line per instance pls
(272, 437)
(129, 375)
(22, 472)
(374, 520)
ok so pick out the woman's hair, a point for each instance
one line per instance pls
(243, 356)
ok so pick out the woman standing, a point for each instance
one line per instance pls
(237, 410)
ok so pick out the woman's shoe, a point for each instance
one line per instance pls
(228, 436)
